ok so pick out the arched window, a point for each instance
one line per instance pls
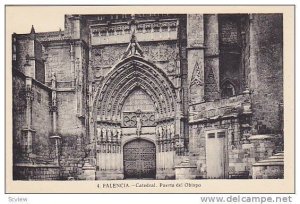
(227, 89)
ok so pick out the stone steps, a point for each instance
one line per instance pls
(276, 159)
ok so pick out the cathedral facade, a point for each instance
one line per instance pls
(155, 96)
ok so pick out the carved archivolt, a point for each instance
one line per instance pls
(130, 74)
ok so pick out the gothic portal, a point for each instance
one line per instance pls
(136, 102)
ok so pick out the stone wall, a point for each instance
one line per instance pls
(269, 172)
(36, 172)
(39, 63)
(245, 155)
(68, 122)
(198, 139)
(19, 111)
(266, 76)
(72, 154)
(41, 123)
(59, 62)
(41, 120)
(71, 128)
(69, 61)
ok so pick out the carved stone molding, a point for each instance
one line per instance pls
(146, 31)
(147, 119)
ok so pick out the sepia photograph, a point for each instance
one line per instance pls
(145, 96)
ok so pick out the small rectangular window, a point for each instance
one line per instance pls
(221, 134)
(211, 135)
(39, 97)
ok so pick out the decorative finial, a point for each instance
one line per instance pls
(60, 33)
(32, 30)
(53, 76)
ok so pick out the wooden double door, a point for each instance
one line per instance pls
(139, 159)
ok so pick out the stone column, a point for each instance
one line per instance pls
(53, 109)
(211, 63)
(72, 64)
(14, 50)
(27, 131)
(195, 55)
(54, 105)
(78, 85)
(91, 118)
(182, 37)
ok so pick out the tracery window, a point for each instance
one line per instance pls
(227, 90)
(138, 99)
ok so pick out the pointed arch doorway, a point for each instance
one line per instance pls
(139, 159)
(135, 100)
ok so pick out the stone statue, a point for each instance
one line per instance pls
(138, 125)
(104, 133)
(114, 132)
(53, 76)
(164, 132)
(168, 131)
(119, 133)
(108, 134)
(157, 133)
(133, 48)
(160, 132)
(172, 131)
(99, 132)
